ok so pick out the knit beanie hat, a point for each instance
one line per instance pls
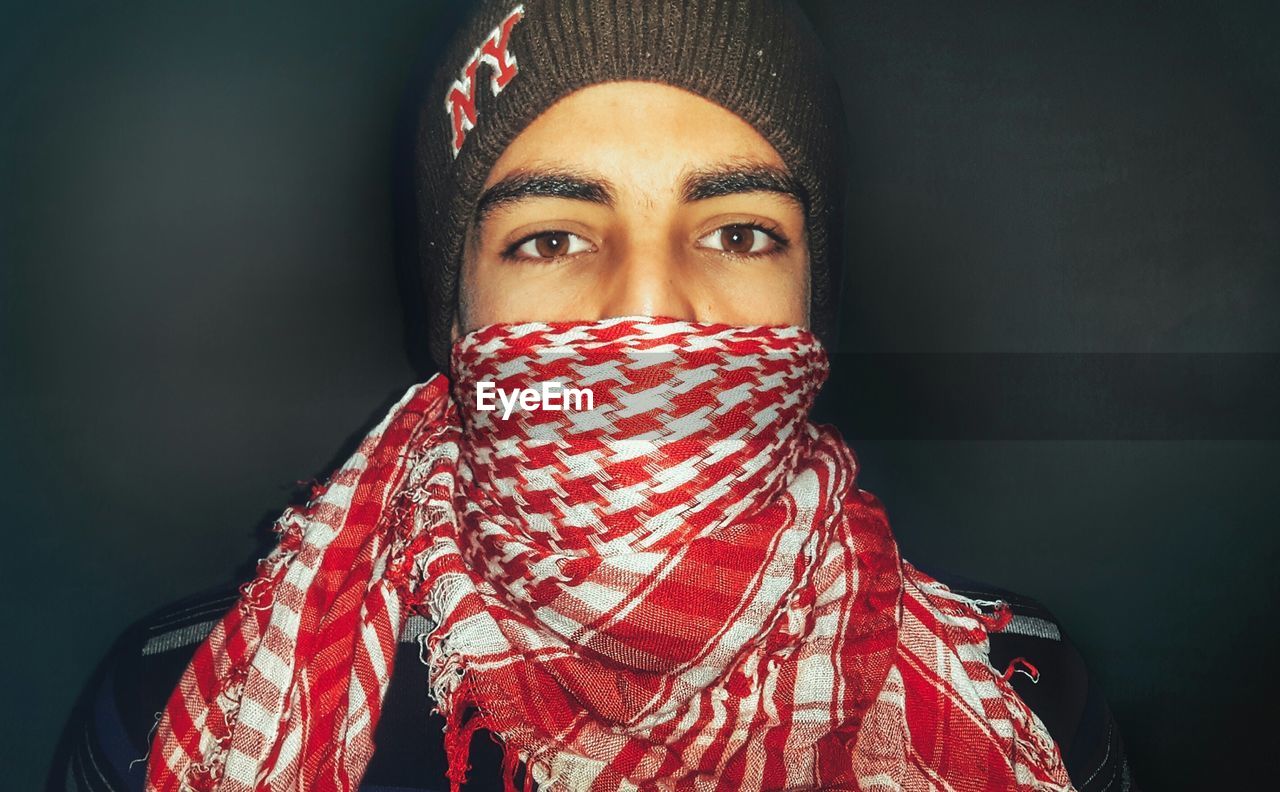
(512, 60)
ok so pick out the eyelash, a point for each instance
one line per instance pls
(769, 229)
(509, 254)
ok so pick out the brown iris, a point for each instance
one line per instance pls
(552, 244)
(737, 238)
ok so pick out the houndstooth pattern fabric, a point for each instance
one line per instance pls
(681, 587)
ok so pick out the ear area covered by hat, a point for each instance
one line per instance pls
(678, 587)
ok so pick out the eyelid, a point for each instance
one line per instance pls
(510, 252)
(781, 243)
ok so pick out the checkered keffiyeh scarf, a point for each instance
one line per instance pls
(679, 588)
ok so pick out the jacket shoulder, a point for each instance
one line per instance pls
(105, 741)
(1056, 685)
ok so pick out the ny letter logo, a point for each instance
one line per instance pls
(460, 99)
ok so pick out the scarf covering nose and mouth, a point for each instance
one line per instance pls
(679, 588)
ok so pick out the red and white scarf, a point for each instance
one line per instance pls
(679, 588)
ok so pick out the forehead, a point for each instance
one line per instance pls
(639, 135)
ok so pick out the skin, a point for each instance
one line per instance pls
(635, 198)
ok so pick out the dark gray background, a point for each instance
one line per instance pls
(1059, 342)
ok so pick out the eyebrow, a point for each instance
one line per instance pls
(742, 177)
(698, 185)
(543, 183)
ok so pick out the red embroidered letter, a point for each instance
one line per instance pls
(460, 99)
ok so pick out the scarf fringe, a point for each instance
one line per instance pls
(457, 746)
(511, 761)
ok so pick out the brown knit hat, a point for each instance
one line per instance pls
(759, 59)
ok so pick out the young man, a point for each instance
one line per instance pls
(611, 535)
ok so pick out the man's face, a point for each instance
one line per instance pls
(634, 198)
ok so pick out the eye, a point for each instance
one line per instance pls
(548, 245)
(743, 239)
